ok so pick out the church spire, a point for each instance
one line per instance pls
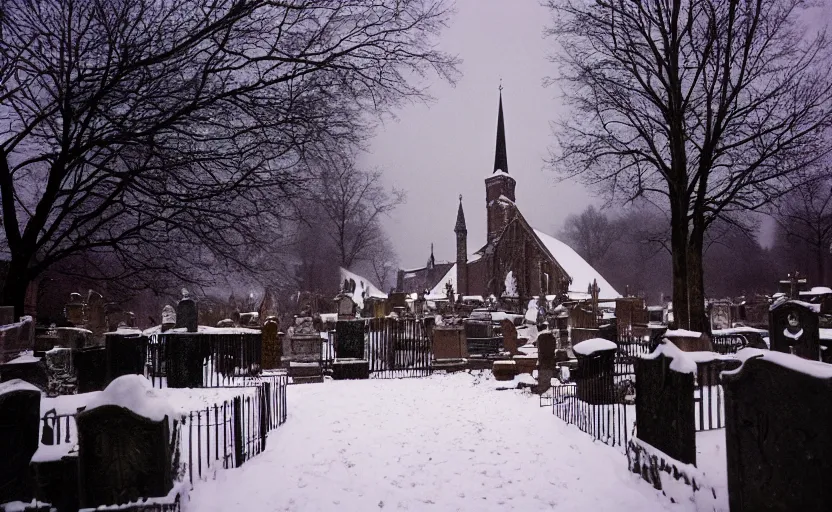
(500, 157)
(460, 219)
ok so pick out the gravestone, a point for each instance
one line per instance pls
(664, 408)
(720, 315)
(349, 339)
(346, 307)
(60, 372)
(122, 456)
(594, 376)
(271, 345)
(19, 425)
(449, 342)
(126, 354)
(168, 318)
(778, 432)
(793, 328)
(509, 336)
(184, 360)
(187, 315)
(546, 346)
(96, 319)
(91, 368)
(74, 310)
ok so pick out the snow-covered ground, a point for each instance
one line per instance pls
(447, 442)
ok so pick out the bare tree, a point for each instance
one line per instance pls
(702, 106)
(591, 234)
(383, 264)
(353, 202)
(138, 128)
(805, 215)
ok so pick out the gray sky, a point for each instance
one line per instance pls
(439, 151)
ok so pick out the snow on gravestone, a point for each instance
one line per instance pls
(594, 377)
(187, 314)
(793, 328)
(664, 402)
(778, 432)
(124, 450)
(19, 423)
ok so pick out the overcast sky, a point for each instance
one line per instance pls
(439, 151)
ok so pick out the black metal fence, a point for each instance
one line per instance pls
(629, 349)
(200, 360)
(227, 435)
(220, 436)
(708, 395)
(609, 423)
(398, 347)
(729, 343)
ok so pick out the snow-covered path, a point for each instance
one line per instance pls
(444, 443)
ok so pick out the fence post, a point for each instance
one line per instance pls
(264, 413)
(238, 431)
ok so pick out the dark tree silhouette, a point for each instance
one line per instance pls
(167, 134)
(704, 107)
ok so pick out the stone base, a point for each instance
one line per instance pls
(350, 369)
(450, 365)
(56, 482)
(526, 364)
(304, 369)
(307, 380)
(504, 370)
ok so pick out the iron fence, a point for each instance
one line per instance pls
(201, 360)
(398, 347)
(708, 395)
(609, 423)
(729, 343)
(57, 429)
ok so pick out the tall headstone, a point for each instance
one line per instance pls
(272, 351)
(720, 315)
(19, 425)
(187, 315)
(793, 328)
(509, 336)
(123, 455)
(778, 434)
(74, 310)
(349, 339)
(168, 318)
(664, 408)
(96, 319)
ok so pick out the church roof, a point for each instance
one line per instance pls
(363, 287)
(420, 279)
(500, 155)
(581, 272)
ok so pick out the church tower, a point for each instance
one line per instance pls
(499, 187)
(461, 251)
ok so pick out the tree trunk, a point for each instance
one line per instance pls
(14, 289)
(679, 251)
(696, 279)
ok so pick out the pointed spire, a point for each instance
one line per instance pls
(500, 157)
(460, 219)
(431, 260)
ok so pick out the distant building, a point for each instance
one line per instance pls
(517, 260)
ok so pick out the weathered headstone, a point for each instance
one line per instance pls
(664, 407)
(184, 360)
(349, 339)
(60, 372)
(187, 315)
(74, 310)
(509, 336)
(168, 318)
(271, 345)
(91, 368)
(793, 328)
(720, 315)
(96, 319)
(449, 342)
(346, 307)
(124, 454)
(778, 432)
(19, 425)
(126, 354)
(594, 376)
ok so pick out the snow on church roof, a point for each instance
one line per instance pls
(581, 272)
(363, 287)
(439, 289)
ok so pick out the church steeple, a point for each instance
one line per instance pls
(460, 219)
(500, 156)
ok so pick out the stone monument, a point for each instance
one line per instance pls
(187, 315)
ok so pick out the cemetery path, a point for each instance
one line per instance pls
(444, 443)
